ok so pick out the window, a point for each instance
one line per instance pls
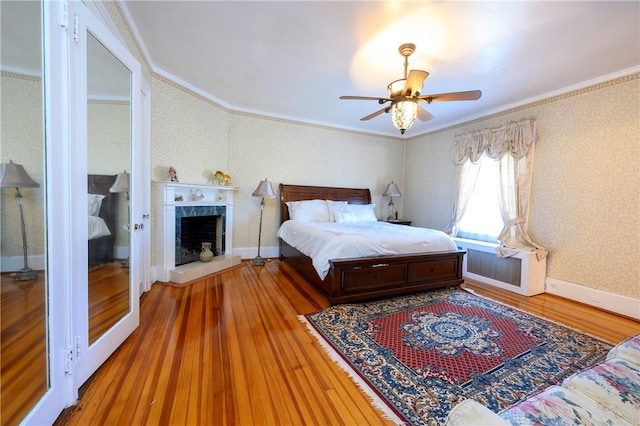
(482, 219)
(491, 201)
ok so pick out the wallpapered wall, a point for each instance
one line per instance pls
(21, 134)
(195, 136)
(585, 204)
(585, 201)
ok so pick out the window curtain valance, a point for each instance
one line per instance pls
(512, 146)
(516, 139)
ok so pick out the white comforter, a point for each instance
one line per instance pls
(323, 241)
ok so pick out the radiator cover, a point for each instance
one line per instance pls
(522, 273)
(504, 269)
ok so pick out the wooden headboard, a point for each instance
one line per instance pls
(302, 192)
(100, 184)
(101, 250)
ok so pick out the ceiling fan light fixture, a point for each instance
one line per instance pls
(403, 114)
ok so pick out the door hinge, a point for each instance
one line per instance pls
(78, 348)
(76, 27)
(65, 15)
(68, 360)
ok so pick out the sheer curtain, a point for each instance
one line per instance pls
(512, 145)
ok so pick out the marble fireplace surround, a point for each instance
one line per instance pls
(170, 195)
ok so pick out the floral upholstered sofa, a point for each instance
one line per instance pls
(605, 394)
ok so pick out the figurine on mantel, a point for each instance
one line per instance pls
(217, 178)
(173, 175)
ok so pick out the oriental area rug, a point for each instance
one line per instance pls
(418, 356)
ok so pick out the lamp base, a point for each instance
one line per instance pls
(258, 261)
(25, 274)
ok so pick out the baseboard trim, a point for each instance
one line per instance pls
(251, 252)
(15, 263)
(619, 304)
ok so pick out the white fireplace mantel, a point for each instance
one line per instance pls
(169, 195)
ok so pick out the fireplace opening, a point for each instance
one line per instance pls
(195, 231)
(196, 225)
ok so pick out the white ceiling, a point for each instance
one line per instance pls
(294, 59)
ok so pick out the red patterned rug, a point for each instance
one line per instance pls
(420, 355)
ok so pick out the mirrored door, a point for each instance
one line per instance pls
(109, 135)
(24, 340)
(108, 87)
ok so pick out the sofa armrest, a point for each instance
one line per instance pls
(470, 412)
(629, 350)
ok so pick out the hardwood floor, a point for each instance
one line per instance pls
(23, 349)
(23, 352)
(229, 349)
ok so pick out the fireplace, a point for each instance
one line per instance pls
(184, 222)
(195, 225)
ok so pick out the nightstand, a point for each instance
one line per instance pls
(398, 222)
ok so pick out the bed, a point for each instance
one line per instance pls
(357, 279)
(102, 209)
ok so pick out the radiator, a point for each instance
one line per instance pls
(523, 273)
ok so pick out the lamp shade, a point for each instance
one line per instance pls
(121, 184)
(264, 190)
(392, 191)
(15, 176)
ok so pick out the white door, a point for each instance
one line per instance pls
(142, 195)
(106, 92)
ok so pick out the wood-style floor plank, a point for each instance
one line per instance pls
(229, 349)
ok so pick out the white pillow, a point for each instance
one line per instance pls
(335, 206)
(94, 202)
(363, 212)
(343, 216)
(308, 211)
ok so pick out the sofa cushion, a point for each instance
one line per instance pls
(614, 383)
(628, 350)
(559, 406)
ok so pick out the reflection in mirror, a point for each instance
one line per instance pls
(23, 340)
(109, 157)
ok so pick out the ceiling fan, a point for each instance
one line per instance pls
(404, 95)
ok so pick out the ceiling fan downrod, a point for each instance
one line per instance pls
(406, 50)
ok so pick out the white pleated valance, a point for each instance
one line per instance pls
(514, 138)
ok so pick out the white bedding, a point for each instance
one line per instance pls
(324, 241)
(97, 227)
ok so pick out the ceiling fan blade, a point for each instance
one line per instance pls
(366, 98)
(375, 114)
(423, 114)
(471, 95)
(414, 83)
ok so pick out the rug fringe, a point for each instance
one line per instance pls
(376, 401)
(472, 291)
